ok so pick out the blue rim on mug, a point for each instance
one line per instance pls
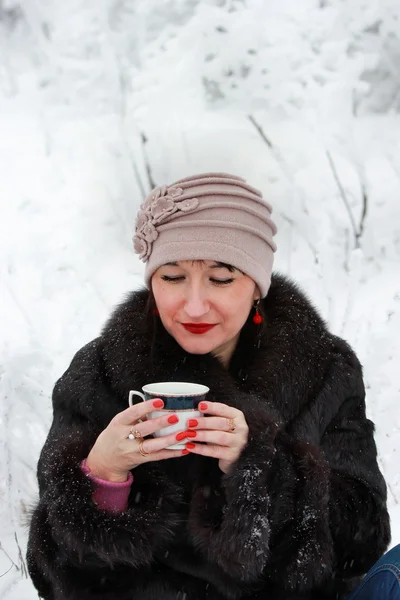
(177, 401)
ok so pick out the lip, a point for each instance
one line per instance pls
(198, 328)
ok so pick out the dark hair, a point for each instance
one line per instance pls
(220, 264)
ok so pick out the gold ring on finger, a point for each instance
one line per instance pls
(141, 449)
(134, 434)
(231, 425)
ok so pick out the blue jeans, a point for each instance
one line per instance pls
(382, 582)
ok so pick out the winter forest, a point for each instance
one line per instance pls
(99, 101)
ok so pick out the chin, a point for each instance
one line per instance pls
(196, 346)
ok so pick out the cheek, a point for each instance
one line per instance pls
(236, 310)
(168, 310)
(167, 302)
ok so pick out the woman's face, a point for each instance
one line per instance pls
(191, 294)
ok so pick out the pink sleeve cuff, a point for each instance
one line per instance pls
(109, 495)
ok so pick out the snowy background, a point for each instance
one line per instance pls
(99, 100)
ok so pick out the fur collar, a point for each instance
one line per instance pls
(282, 365)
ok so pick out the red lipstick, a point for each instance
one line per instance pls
(198, 328)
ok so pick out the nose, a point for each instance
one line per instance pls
(196, 303)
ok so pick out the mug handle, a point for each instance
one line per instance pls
(135, 393)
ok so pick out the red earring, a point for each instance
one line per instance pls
(155, 312)
(257, 319)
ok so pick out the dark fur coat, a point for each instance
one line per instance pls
(301, 516)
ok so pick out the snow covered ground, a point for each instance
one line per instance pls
(100, 100)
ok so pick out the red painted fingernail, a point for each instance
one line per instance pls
(173, 419)
(181, 436)
(190, 445)
(203, 405)
(185, 451)
(191, 433)
(158, 403)
(193, 422)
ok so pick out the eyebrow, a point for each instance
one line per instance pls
(218, 265)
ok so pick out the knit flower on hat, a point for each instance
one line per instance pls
(160, 204)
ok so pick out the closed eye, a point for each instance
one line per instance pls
(214, 281)
(221, 281)
(166, 278)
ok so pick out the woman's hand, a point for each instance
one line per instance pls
(223, 442)
(114, 454)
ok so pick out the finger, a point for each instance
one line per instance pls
(152, 445)
(152, 425)
(220, 410)
(163, 455)
(210, 450)
(138, 411)
(218, 423)
(218, 438)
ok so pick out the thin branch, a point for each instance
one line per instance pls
(8, 570)
(392, 492)
(9, 558)
(122, 115)
(152, 183)
(260, 131)
(382, 468)
(122, 89)
(364, 212)
(21, 557)
(281, 162)
(344, 197)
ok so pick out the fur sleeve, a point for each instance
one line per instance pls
(303, 504)
(229, 520)
(66, 522)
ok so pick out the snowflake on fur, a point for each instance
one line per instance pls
(160, 204)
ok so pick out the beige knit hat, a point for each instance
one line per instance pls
(212, 216)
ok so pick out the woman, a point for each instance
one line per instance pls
(277, 494)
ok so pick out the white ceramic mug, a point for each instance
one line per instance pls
(179, 397)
